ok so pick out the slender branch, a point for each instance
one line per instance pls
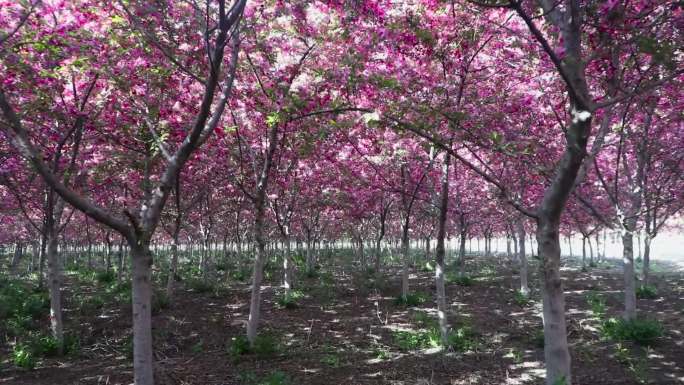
(22, 143)
(21, 22)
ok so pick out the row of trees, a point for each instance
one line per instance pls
(249, 124)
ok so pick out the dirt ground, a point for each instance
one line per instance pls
(341, 333)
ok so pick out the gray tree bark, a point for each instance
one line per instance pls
(647, 259)
(54, 288)
(440, 251)
(522, 257)
(143, 358)
(629, 276)
(405, 259)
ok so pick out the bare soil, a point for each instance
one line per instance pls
(341, 333)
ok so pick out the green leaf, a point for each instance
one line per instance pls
(116, 19)
(496, 137)
(272, 119)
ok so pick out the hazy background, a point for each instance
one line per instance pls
(667, 246)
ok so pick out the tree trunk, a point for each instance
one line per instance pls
(556, 354)
(427, 249)
(405, 260)
(34, 256)
(120, 267)
(143, 363)
(524, 286)
(439, 254)
(604, 244)
(43, 257)
(173, 268)
(287, 265)
(16, 258)
(378, 254)
(203, 265)
(462, 252)
(630, 282)
(207, 259)
(309, 254)
(647, 258)
(515, 245)
(257, 275)
(54, 288)
(108, 260)
(584, 251)
(362, 255)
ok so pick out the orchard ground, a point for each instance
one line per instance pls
(344, 326)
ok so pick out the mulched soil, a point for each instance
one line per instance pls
(335, 334)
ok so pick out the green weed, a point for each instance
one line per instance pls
(240, 274)
(238, 346)
(331, 360)
(198, 347)
(642, 331)
(411, 299)
(200, 286)
(105, 276)
(46, 346)
(597, 303)
(460, 279)
(428, 267)
(276, 378)
(289, 299)
(265, 345)
(424, 320)
(23, 356)
(381, 354)
(537, 339)
(160, 302)
(647, 292)
(521, 299)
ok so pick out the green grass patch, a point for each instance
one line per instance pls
(45, 345)
(105, 276)
(265, 345)
(459, 339)
(412, 299)
(23, 356)
(428, 267)
(200, 286)
(597, 303)
(331, 360)
(536, 339)
(460, 279)
(381, 354)
(647, 292)
(289, 299)
(643, 331)
(160, 301)
(120, 292)
(241, 274)
(424, 320)
(408, 340)
(276, 378)
(521, 299)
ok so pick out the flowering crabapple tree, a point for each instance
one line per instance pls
(143, 104)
